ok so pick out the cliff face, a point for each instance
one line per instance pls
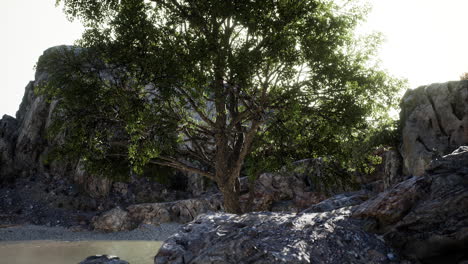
(25, 145)
(434, 119)
(25, 149)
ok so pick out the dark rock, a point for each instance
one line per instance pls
(103, 259)
(8, 135)
(268, 237)
(426, 217)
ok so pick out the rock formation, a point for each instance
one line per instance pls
(268, 237)
(292, 189)
(435, 122)
(25, 148)
(8, 135)
(182, 211)
(426, 217)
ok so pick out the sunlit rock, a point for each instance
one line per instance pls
(269, 237)
(435, 122)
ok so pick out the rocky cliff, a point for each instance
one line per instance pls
(40, 181)
(434, 122)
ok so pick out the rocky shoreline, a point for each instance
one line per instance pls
(34, 232)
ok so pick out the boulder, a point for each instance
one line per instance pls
(434, 122)
(292, 189)
(113, 221)
(426, 217)
(182, 211)
(268, 237)
(103, 259)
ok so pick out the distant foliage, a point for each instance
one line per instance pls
(464, 76)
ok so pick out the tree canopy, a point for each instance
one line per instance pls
(204, 85)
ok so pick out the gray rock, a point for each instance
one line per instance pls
(268, 237)
(103, 259)
(291, 189)
(392, 168)
(94, 185)
(435, 122)
(182, 211)
(426, 217)
(113, 221)
(338, 201)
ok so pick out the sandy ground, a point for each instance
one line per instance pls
(34, 232)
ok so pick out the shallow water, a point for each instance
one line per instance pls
(62, 252)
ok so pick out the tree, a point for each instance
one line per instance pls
(214, 75)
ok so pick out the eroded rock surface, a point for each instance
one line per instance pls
(269, 237)
(338, 201)
(426, 217)
(8, 135)
(292, 189)
(435, 122)
(182, 211)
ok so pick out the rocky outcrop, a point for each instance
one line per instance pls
(338, 201)
(113, 221)
(25, 151)
(392, 168)
(435, 122)
(292, 189)
(8, 135)
(103, 259)
(269, 237)
(182, 211)
(426, 217)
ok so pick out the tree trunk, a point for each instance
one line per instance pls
(231, 198)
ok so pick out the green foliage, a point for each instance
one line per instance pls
(150, 75)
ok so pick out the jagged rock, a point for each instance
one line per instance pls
(103, 259)
(8, 135)
(338, 201)
(32, 138)
(269, 237)
(426, 217)
(389, 207)
(392, 168)
(435, 122)
(275, 187)
(302, 185)
(113, 221)
(94, 185)
(182, 211)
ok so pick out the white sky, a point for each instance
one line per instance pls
(426, 40)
